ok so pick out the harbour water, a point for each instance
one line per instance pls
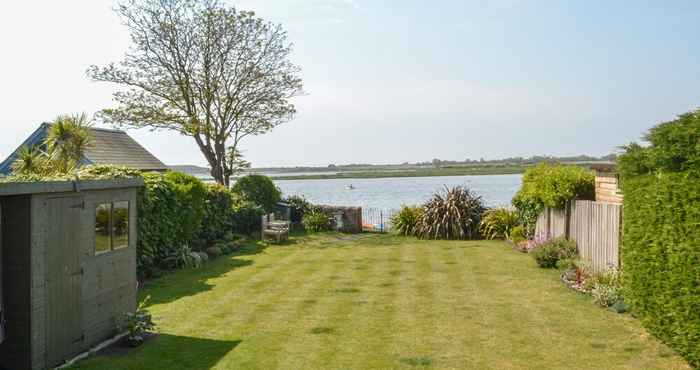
(392, 193)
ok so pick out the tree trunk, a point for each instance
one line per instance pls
(215, 162)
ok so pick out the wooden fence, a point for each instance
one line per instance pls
(595, 226)
(552, 223)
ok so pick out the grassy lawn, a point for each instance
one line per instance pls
(383, 302)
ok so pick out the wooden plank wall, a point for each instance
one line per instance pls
(551, 223)
(607, 189)
(595, 226)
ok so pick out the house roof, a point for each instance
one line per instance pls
(107, 147)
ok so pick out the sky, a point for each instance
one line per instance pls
(397, 81)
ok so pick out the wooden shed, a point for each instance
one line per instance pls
(607, 184)
(67, 267)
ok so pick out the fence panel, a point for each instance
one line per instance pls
(551, 223)
(595, 227)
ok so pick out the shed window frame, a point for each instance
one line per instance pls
(97, 251)
(112, 230)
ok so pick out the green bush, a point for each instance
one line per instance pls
(226, 213)
(214, 252)
(674, 147)
(225, 250)
(499, 223)
(159, 223)
(316, 221)
(456, 214)
(180, 258)
(517, 235)
(218, 210)
(191, 194)
(260, 190)
(551, 185)
(246, 216)
(661, 257)
(406, 221)
(300, 206)
(550, 252)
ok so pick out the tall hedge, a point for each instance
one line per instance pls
(225, 211)
(176, 209)
(674, 147)
(191, 193)
(160, 224)
(661, 257)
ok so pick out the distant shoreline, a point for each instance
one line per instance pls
(378, 172)
(423, 172)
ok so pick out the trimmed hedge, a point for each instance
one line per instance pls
(190, 193)
(176, 209)
(226, 212)
(661, 257)
(160, 226)
(217, 219)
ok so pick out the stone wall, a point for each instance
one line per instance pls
(351, 217)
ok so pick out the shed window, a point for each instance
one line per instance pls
(103, 239)
(111, 226)
(121, 225)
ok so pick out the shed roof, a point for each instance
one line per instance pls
(41, 187)
(108, 147)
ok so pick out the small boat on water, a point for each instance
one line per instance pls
(350, 187)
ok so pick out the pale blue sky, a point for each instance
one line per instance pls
(395, 81)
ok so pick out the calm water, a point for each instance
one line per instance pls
(391, 193)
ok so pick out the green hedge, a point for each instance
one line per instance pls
(661, 257)
(176, 209)
(225, 212)
(675, 147)
(160, 224)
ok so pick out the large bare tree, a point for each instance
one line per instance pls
(204, 70)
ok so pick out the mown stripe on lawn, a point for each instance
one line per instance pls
(193, 303)
(269, 326)
(365, 334)
(231, 300)
(413, 318)
(335, 305)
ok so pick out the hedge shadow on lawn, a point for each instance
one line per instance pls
(167, 351)
(184, 283)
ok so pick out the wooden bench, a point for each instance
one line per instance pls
(277, 230)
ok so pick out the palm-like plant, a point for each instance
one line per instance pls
(456, 214)
(67, 141)
(406, 221)
(30, 160)
(499, 222)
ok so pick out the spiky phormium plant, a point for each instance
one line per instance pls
(454, 214)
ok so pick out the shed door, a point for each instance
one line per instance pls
(64, 313)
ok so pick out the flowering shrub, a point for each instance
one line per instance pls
(527, 246)
(550, 252)
(606, 288)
